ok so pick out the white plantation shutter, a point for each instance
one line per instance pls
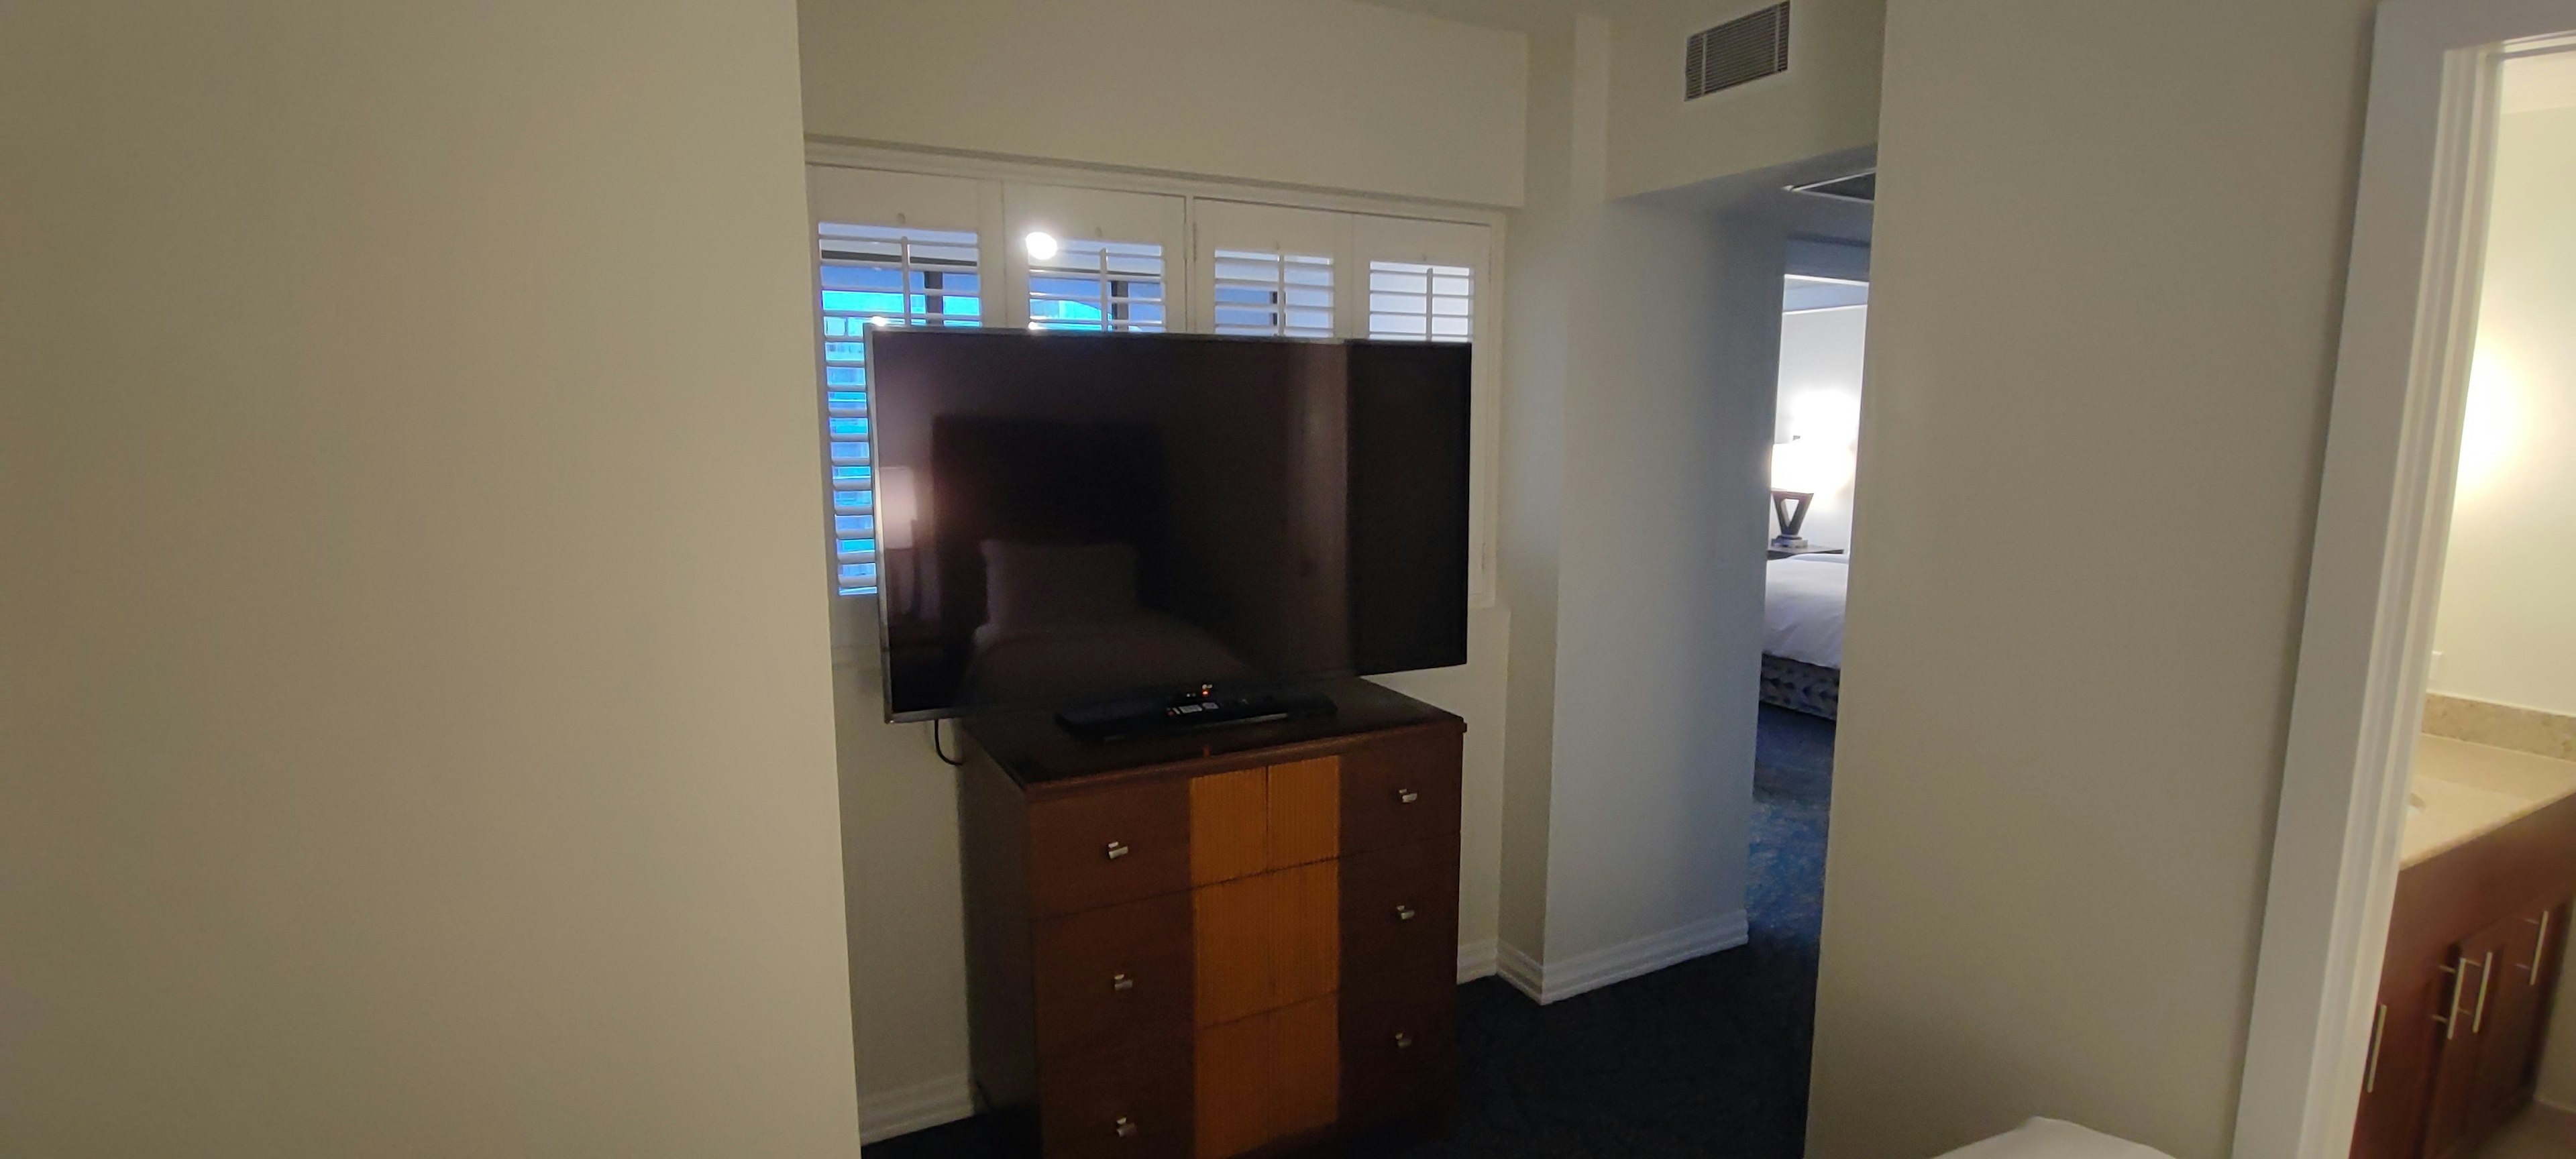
(1098, 286)
(1271, 293)
(875, 276)
(1422, 301)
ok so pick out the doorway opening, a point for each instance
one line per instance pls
(2425, 857)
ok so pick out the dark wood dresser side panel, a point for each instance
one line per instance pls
(1400, 912)
(1400, 791)
(1001, 991)
(1126, 1102)
(1120, 973)
(1399, 1053)
(1089, 850)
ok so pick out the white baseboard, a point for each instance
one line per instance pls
(1518, 968)
(886, 1114)
(1566, 977)
(1476, 960)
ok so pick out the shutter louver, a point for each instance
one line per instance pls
(1267, 293)
(877, 276)
(1421, 301)
(1098, 286)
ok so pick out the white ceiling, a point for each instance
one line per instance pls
(1800, 292)
(2532, 83)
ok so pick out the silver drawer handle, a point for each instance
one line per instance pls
(1125, 1127)
(1403, 1041)
(1118, 849)
(1404, 913)
(1121, 983)
(1406, 796)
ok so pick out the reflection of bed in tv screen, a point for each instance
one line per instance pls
(1098, 516)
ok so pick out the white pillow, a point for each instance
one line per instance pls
(2053, 1139)
(1034, 585)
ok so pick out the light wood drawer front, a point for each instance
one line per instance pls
(1113, 975)
(1103, 848)
(1252, 821)
(1401, 793)
(1131, 1102)
(1273, 1076)
(1266, 941)
(1400, 911)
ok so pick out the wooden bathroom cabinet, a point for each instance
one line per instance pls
(2472, 966)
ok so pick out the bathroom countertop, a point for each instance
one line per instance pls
(2470, 790)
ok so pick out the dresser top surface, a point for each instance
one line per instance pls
(1035, 751)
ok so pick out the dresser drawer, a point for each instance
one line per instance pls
(1131, 1102)
(1399, 1053)
(1400, 793)
(1098, 849)
(1400, 911)
(1117, 974)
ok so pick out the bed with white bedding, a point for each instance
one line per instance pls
(1802, 632)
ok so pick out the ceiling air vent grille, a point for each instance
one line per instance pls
(1741, 50)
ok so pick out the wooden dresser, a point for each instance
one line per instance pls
(1217, 944)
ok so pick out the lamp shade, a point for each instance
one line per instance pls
(1809, 466)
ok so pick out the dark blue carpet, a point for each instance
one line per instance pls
(1707, 1058)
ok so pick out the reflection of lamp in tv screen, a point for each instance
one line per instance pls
(898, 504)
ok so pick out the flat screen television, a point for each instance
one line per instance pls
(1069, 519)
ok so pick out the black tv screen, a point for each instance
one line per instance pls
(1071, 518)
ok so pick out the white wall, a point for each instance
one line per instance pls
(1637, 439)
(1826, 103)
(1820, 375)
(1319, 93)
(1659, 607)
(2059, 752)
(1568, 119)
(2507, 626)
(414, 728)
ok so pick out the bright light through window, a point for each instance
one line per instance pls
(1098, 286)
(877, 276)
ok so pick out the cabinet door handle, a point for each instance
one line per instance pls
(1124, 1127)
(1404, 913)
(2378, 1033)
(1121, 983)
(2540, 946)
(2478, 1019)
(2450, 1015)
(1406, 796)
(1118, 849)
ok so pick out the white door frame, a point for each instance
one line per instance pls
(2383, 518)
